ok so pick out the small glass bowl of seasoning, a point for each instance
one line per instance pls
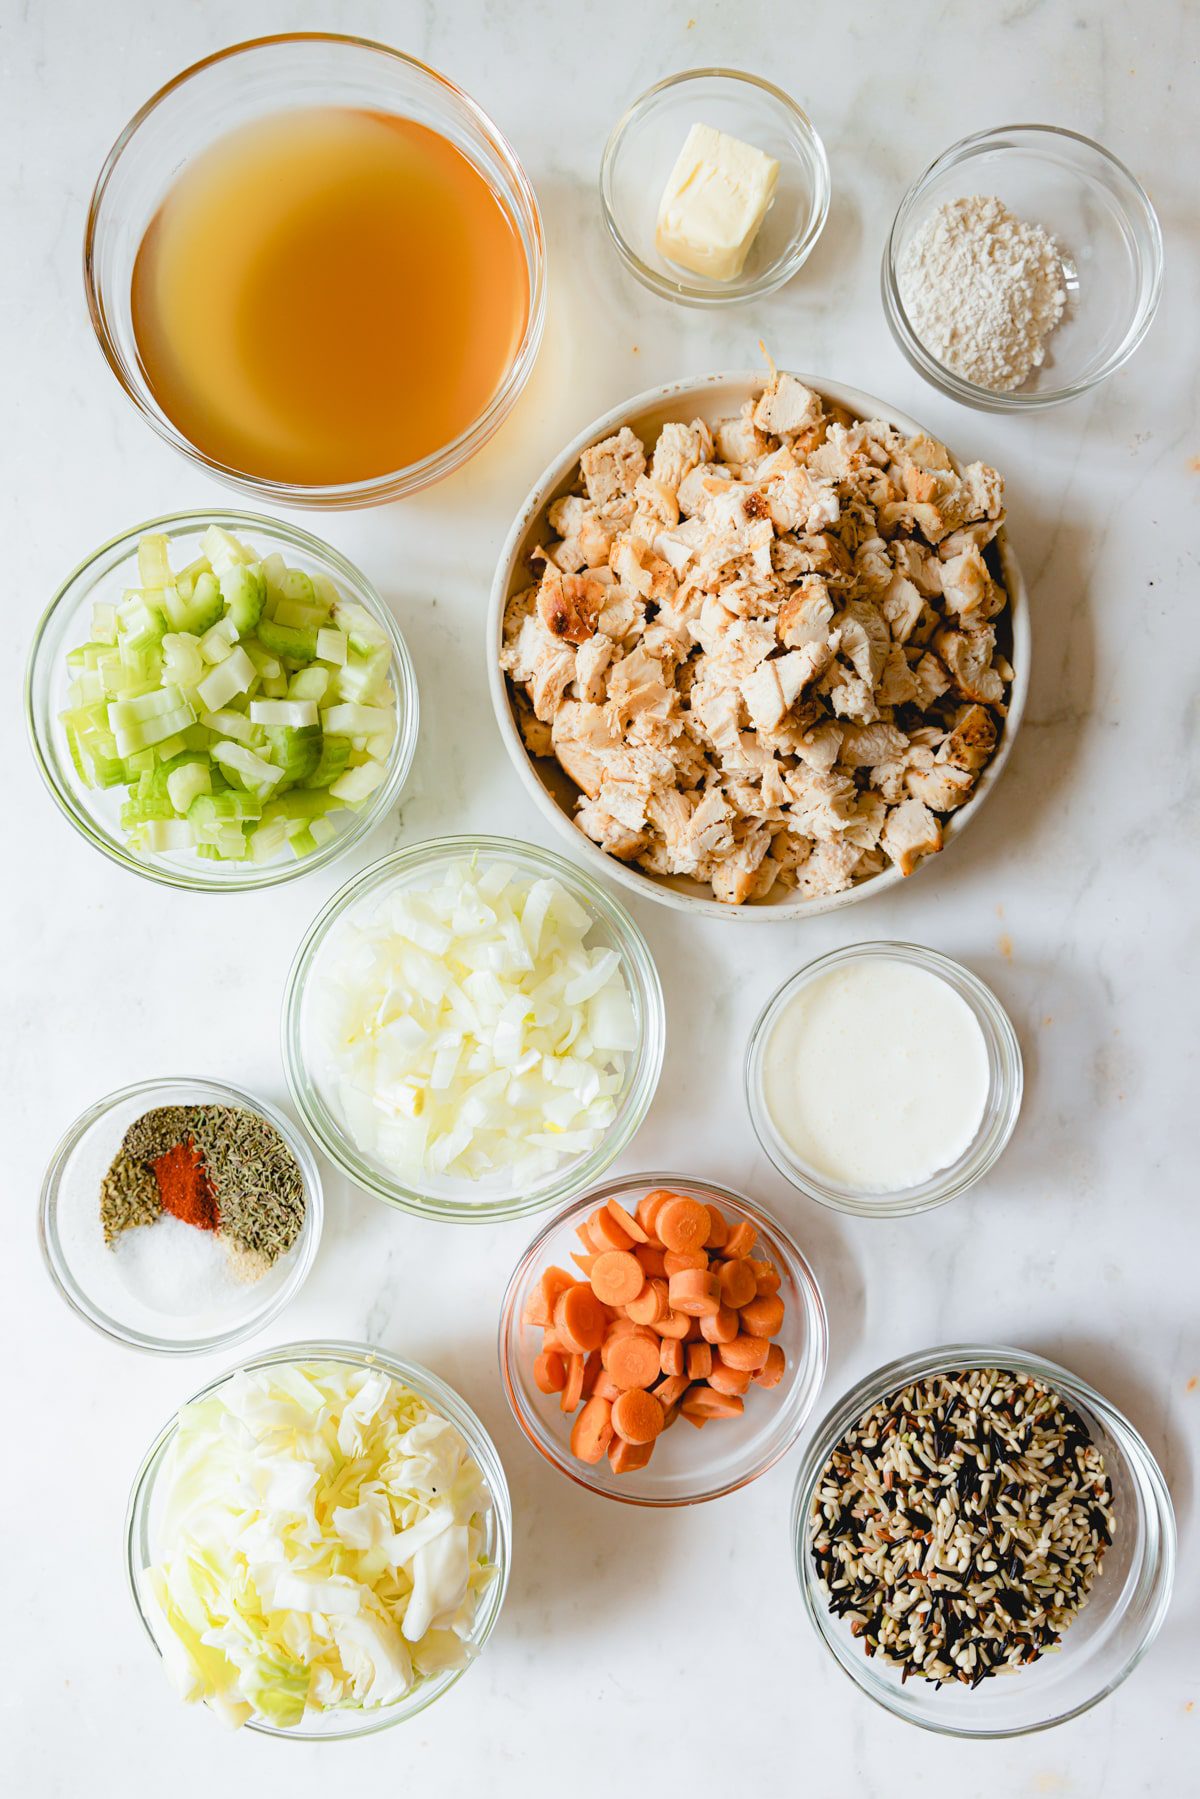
(883, 1079)
(643, 151)
(180, 1215)
(1110, 1539)
(1103, 235)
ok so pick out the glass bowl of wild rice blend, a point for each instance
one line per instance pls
(180, 1215)
(983, 1542)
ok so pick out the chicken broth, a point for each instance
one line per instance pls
(328, 295)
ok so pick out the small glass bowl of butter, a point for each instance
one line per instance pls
(742, 200)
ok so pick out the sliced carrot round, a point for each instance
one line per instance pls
(745, 1352)
(682, 1224)
(670, 1389)
(649, 1207)
(550, 1372)
(707, 1402)
(626, 1458)
(695, 1292)
(572, 1391)
(650, 1304)
(723, 1379)
(676, 1260)
(580, 1319)
(617, 1277)
(671, 1355)
(720, 1326)
(606, 1387)
(652, 1258)
(626, 1222)
(766, 1275)
(633, 1361)
(763, 1316)
(692, 1416)
(741, 1239)
(637, 1416)
(592, 1431)
(738, 1285)
(771, 1372)
(675, 1324)
(699, 1361)
(606, 1233)
(718, 1228)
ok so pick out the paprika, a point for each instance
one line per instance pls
(184, 1186)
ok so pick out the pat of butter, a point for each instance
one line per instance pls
(714, 202)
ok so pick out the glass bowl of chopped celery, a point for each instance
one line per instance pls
(376, 1610)
(219, 701)
(473, 1029)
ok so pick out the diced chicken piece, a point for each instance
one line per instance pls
(910, 833)
(610, 469)
(592, 660)
(596, 823)
(733, 878)
(656, 501)
(852, 697)
(553, 673)
(569, 605)
(966, 582)
(927, 453)
(902, 606)
(776, 684)
(680, 449)
(931, 681)
(798, 502)
(584, 741)
(636, 685)
(623, 615)
(869, 815)
(718, 709)
(739, 440)
(535, 733)
(897, 684)
(863, 638)
(830, 869)
(625, 800)
(910, 516)
(700, 485)
(805, 615)
(786, 406)
(967, 656)
(822, 804)
(942, 788)
(918, 565)
(866, 746)
(817, 748)
(971, 742)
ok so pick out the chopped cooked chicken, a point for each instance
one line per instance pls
(766, 651)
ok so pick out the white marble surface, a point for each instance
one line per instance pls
(670, 1645)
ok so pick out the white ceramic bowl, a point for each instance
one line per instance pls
(711, 397)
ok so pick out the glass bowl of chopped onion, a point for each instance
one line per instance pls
(220, 702)
(473, 1029)
(1083, 279)
(1101, 1540)
(375, 1611)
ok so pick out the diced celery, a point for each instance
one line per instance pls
(194, 604)
(142, 736)
(268, 840)
(298, 616)
(245, 593)
(182, 662)
(299, 806)
(308, 684)
(380, 748)
(197, 736)
(356, 721)
(104, 622)
(266, 664)
(137, 763)
(302, 843)
(139, 623)
(217, 642)
(322, 830)
(335, 754)
(326, 592)
(144, 706)
(249, 767)
(358, 783)
(224, 551)
(364, 632)
(296, 589)
(364, 679)
(160, 835)
(170, 747)
(286, 640)
(88, 687)
(208, 811)
(295, 752)
(228, 723)
(295, 714)
(274, 568)
(233, 676)
(274, 687)
(154, 562)
(332, 645)
(187, 783)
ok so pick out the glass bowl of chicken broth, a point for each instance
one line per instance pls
(317, 269)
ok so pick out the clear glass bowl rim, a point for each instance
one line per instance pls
(945, 379)
(816, 1326)
(945, 1184)
(396, 483)
(107, 1326)
(444, 1399)
(685, 292)
(642, 972)
(901, 1373)
(271, 874)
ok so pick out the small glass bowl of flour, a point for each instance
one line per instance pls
(1022, 268)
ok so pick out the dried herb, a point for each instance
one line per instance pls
(255, 1178)
(156, 1132)
(129, 1195)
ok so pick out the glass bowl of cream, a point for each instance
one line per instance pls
(883, 1079)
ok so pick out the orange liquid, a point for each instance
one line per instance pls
(328, 295)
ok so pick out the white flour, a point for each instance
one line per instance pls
(983, 290)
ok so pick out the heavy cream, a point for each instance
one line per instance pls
(875, 1075)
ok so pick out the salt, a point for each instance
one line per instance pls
(172, 1267)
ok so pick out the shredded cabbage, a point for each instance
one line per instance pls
(321, 1544)
(468, 1031)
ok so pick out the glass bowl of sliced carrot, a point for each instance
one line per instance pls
(662, 1340)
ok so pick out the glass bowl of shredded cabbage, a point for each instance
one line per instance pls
(473, 1029)
(318, 1543)
(219, 701)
